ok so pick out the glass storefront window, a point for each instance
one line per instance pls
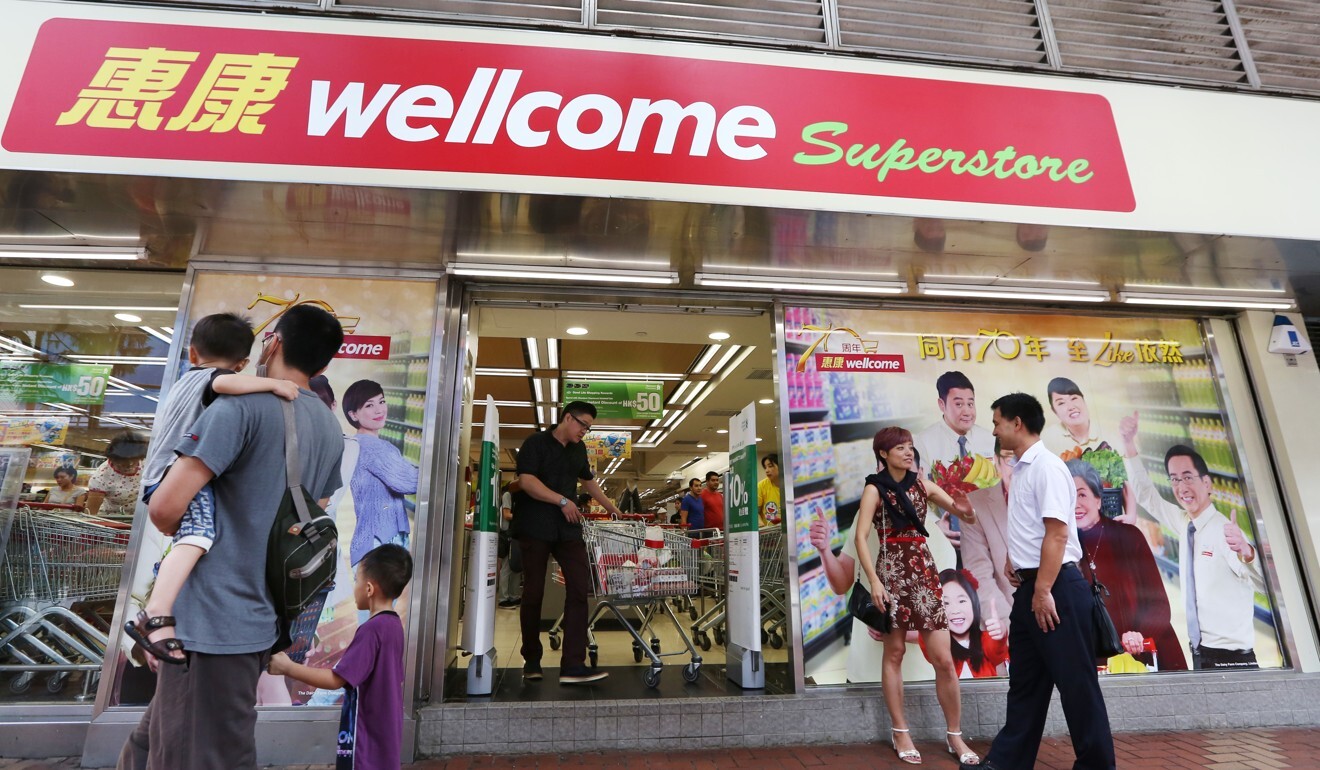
(82, 354)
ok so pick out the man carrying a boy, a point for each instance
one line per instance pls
(203, 715)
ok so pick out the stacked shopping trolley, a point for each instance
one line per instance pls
(55, 562)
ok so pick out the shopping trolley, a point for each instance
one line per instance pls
(631, 526)
(55, 561)
(774, 611)
(630, 572)
(712, 579)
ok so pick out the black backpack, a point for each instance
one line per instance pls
(303, 546)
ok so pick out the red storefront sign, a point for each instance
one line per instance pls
(859, 362)
(364, 346)
(156, 91)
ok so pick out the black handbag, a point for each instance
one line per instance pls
(1107, 641)
(301, 550)
(861, 606)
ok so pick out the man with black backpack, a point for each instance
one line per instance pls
(203, 715)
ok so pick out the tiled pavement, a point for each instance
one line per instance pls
(1260, 749)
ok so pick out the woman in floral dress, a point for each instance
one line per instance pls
(904, 579)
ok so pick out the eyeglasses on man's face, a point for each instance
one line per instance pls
(582, 423)
(1184, 479)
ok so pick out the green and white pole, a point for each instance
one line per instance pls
(742, 546)
(483, 562)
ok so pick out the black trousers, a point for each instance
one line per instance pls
(1063, 658)
(572, 558)
(1212, 657)
(203, 716)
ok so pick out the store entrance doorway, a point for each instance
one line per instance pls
(704, 365)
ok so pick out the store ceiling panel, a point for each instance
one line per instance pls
(175, 218)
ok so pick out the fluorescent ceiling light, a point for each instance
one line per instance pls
(678, 392)
(1006, 282)
(711, 350)
(533, 354)
(144, 360)
(722, 430)
(696, 390)
(702, 446)
(540, 415)
(1164, 287)
(496, 372)
(593, 275)
(8, 359)
(766, 401)
(18, 346)
(517, 425)
(115, 308)
(98, 253)
(129, 318)
(593, 375)
(616, 428)
(552, 353)
(1192, 300)
(719, 367)
(987, 292)
(124, 384)
(719, 336)
(536, 391)
(157, 334)
(799, 284)
(554, 390)
(57, 280)
(576, 331)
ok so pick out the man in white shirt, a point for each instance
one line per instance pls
(1218, 568)
(1051, 638)
(955, 436)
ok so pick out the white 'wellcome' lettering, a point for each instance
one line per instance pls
(584, 122)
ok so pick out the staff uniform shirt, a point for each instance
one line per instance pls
(560, 467)
(1042, 489)
(1225, 586)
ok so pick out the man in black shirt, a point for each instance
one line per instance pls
(548, 522)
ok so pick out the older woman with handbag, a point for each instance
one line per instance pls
(904, 580)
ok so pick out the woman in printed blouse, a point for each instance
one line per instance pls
(115, 486)
(903, 579)
(382, 477)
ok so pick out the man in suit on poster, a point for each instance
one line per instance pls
(955, 436)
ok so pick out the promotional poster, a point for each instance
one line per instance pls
(1131, 405)
(377, 388)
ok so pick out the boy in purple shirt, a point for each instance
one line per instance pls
(371, 671)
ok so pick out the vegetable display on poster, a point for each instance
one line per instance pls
(1131, 405)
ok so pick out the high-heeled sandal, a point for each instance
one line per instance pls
(968, 758)
(911, 756)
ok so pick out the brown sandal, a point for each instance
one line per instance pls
(139, 630)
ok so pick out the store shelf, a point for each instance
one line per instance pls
(816, 415)
(827, 637)
(1193, 410)
(803, 488)
(403, 424)
(858, 430)
(403, 389)
(409, 356)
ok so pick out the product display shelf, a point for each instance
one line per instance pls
(403, 389)
(1175, 409)
(402, 424)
